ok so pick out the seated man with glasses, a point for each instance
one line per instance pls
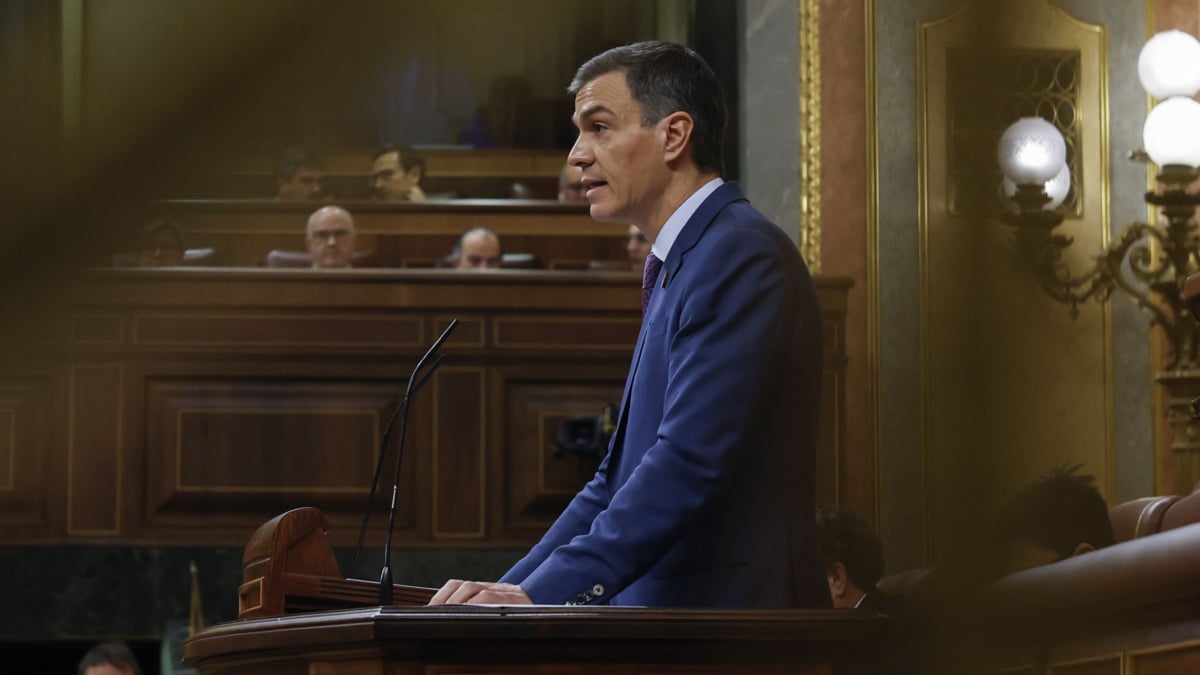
(330, 237)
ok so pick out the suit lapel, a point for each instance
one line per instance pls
(724, 195)
(690, 235)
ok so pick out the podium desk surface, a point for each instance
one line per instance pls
(462, 639)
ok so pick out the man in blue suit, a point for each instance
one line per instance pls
(705, 498)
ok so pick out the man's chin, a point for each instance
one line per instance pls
(602, 213)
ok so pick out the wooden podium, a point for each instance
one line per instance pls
(288, 567)
(469, 640)
(289, 571)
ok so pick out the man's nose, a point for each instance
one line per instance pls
(581, 153)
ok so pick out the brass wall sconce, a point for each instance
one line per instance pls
(1148, 262)
(1032, 155)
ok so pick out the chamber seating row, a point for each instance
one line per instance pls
(1130, 608)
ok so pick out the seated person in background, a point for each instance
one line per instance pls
(161, 245)
(109, 658)
(330, 237)
(1058, 516)
(638, 247)
(478, 249)
(298, 173)
(570, 186)
(396, 175)
(853, 558)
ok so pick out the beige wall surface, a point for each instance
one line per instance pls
(984, 381)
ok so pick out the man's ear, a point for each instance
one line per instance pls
(835, 572)
(414, 173)
(677, 129)
(1082, 548)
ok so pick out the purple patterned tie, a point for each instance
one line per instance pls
(653, 265)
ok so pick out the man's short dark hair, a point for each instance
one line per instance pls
(293, 158)
(111, 653)
(665, 78)
(1058, 512)
(408, 158)
(843, 536)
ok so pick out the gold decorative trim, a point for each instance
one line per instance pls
(870, 73)
(810, 133)
(1158, 404)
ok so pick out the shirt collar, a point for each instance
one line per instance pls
(674, 225)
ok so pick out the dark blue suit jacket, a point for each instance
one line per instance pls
(705, 498)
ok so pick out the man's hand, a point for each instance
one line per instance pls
(458, 592)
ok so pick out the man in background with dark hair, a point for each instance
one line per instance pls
(852, 556)
(706, 496)
(109, 658)
(298, 174)
(396, 175)
(1058, 516)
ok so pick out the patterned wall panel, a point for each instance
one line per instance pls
(223, 448)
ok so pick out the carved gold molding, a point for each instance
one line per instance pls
(873, 340)
(810, 133)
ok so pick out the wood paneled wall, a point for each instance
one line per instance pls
(189, 406)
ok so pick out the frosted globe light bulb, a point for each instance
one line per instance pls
(1169, 65)
(1031, 151)
(1172, 133)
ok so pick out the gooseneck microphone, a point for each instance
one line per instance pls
(420, 375)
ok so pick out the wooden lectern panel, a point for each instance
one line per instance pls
(288, 567)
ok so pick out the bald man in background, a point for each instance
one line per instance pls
(330, 237)
(478, 249)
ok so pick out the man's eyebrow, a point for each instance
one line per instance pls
(594, 109)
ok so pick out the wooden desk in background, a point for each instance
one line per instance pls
(189, 406)
(562, 236)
